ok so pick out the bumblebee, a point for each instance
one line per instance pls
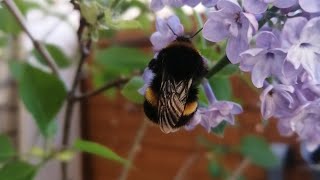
(171, 98)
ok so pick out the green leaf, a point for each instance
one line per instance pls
(57, 54)
(258, 150)
(221, 87)
(99, 150)
(8, 22)
(121, 61)
(215, 169)
(219, 130)
(52, 129)
(42, 93)
(130, 90)
(6, 149)
(18, 170)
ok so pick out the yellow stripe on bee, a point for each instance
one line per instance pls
(151, 97)
(190, 108)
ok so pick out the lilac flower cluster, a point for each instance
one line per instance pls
(282, 55)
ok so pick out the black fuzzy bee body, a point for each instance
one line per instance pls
(171, 98)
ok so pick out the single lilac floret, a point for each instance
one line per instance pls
(305, 122)
(305, 45)
(229, 22)
(164, 35)
(264, 61)
(277, 100)
(217, 111)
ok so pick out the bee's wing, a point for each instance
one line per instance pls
(171, 102)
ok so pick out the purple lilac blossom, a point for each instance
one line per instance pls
(157, 5)
(229, 22)
(305, 45)
(305, 122)
(216, 112)
(260, 6)
(289, 58)
(147, 77)
(265, 60)
(164, 35)
(277, 100)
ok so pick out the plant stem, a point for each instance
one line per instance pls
(108, 85)
(200, 25)
(238, 172)
(85, 47)
(13, 9)
(134, 149)
(222, 63)
(182, 172)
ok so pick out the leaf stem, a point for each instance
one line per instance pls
(13, 9)
(108, 85)
(222, 63)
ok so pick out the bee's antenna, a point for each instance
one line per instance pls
(172, 30)
(196, 33)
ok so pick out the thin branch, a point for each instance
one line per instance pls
(12, 7)
(222, 63)
(108, 85)
(85, 47)
(238, 172)
(134, 149)
(182, 172)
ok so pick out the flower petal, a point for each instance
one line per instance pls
(175, 25)
(248, 59)
(156, 5)
(230, 7)
(267, 40)
(261, 70)
(255, 6)
(311, 32)
(310, 6)
(215, 29)
(292, 30)
(209, 3)
(191, 3)
(284, 3)
(235, 46)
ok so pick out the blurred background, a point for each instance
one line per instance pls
(115, 118)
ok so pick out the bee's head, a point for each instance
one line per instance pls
(184, 38)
